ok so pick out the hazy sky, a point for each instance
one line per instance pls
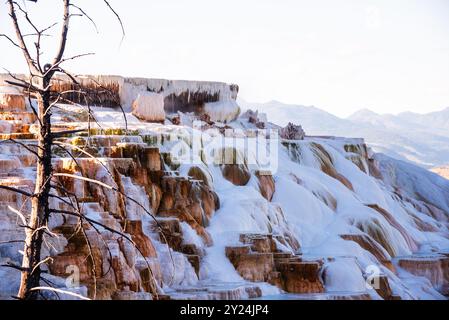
(341, 56)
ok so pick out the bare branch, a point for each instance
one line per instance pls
(40, 263)
(67, 175)
(10, 40)
(13, 266)
(117, 16)
(120, 106)
(18, 84)
(27, 18)
(29, 87)
(92, 258)
(76, 295)
(22, 44)
(48, 28)
(102, 184)
(94, 222)
(17, 191)
(62, 133)
(55, 66)
(64, 32)
(48, 282)
(20, 214)
(38, 34)
(86, 153)
(25, 146)
(86, 15)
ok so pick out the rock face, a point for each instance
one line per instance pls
(392, 221)
(149, 106)
(15, 119)
(266, 184)
(135, 266)
(252, 266)
(200, 174)
(259, 259)
(222, 111)
(188, 96)
(327, 166)
(216, 99)
(11, 98)
(188, 201)
(160, 228)
(292, 132)
(116, 258)
(384, 289)
(99, 90)
(369, 244)
(238, 174)
(433, 267)
(253, 117)
(301, 276)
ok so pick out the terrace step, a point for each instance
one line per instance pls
(434, 267)
(217, 291)
(23, 116)
(12, 108)
(258, 259)
(17, 136)
(16, 126)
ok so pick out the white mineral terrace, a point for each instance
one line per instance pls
(326, 219)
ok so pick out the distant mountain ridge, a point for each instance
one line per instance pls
(442, 171)
(419, 138)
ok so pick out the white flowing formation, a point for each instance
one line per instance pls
(328, 208)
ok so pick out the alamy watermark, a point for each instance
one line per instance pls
(372, 276)
(73, 280)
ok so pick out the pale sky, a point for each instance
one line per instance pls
(386, 55)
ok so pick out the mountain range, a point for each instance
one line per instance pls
(419, 138)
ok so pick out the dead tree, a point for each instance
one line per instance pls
(38, 85)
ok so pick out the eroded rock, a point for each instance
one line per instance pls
(149, 106)
(266, 184)
(292, 132)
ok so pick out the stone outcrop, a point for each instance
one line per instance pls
(152, 211)
(369, 244)
(327, 165)
(149, 106)
(253, 117)
(238, 174)
(433, 267)
(384, 289)
(170, 232)
(301, 276)
(357, 153)
(258, 259)
(252, 266)
(15, 119)
(292, 132)
(200, 174)
(189, 201)
(221, 111)
(178, 95)
(266, 184)
(11, 99)
(393, 222)
(121, 261)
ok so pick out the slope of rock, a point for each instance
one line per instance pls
(200, 213)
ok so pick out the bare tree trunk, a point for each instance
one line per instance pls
(40, 212)
(37, 224)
